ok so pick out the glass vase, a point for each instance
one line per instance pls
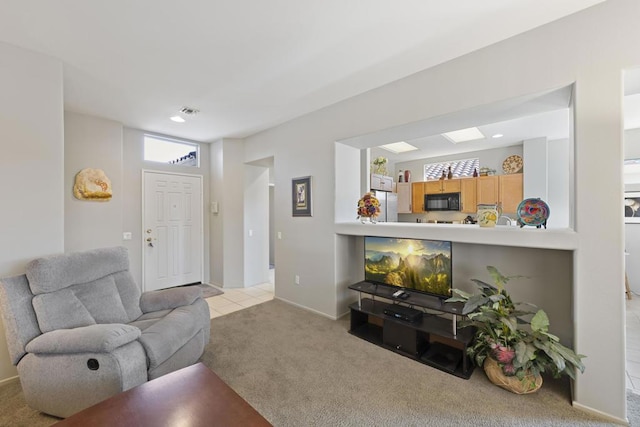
(366, 219)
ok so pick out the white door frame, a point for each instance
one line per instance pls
(200, 237)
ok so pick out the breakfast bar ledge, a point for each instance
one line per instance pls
(527, 237)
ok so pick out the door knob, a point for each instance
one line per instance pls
(150, 242)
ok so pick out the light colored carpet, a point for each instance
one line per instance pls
(301, 369)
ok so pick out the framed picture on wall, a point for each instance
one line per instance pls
(632, 207)
(301, 196)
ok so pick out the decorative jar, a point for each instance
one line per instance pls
(487, 215)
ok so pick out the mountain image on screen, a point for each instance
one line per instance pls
(421, 265)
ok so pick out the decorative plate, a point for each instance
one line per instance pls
(534, 212)
(512, 164)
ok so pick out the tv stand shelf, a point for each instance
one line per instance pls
(432, 340)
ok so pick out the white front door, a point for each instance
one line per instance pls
(172, 230)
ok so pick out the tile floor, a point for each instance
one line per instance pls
(239, 298)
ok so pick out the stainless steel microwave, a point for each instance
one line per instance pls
(442, 202)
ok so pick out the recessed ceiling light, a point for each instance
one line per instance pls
(464, 135)
(497, 135)
(399, 147)
(177, 119)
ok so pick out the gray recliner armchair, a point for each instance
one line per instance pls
(79, 330)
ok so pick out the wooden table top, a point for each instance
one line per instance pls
(190, 397)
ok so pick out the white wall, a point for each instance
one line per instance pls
(31, 165)
(558, 194)
(549, 57)
(536, 168)
(632, 144)
(227, 227)
(92, 142)
(256, 225)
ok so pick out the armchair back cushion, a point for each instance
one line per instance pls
(83, 289)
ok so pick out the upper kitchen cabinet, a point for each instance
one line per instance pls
(404, 197)
(468, 197)
(381, 182)
(487, 190)
(511, 191)
(442, 186)
(417, 197)
(506, 190)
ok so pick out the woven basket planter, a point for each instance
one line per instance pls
(529, 384)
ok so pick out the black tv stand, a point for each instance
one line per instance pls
(432, 340)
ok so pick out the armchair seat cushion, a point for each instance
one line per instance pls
(87, 339)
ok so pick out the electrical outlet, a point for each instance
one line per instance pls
(279, 235)
(297, 279)
(126, 235)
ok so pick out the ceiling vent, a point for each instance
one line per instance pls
(189, 111)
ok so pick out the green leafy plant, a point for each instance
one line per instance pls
(516, 335)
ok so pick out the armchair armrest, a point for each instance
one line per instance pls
(102, 338)
(166, 299)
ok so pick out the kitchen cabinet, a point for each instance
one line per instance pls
(404, 197)
(442, 186)
(487, 190)
(511, 191)
(417, 197)
(381, 182)
(507, 190)
(468, 195)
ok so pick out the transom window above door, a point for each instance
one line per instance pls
(173, 152)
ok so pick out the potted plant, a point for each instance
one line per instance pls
(512, 340)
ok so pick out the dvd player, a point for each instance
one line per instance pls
(403, 313)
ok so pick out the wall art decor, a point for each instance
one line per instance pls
(301, 196)
(92, 184)
(632, 207)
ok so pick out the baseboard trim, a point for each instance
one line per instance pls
(306, 308)
(9, 380)
(604, 415)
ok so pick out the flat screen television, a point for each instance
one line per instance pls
(413, 264)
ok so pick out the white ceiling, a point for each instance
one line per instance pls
(251, 64)
(542, 115)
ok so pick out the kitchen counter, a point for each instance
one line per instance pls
(501, 235)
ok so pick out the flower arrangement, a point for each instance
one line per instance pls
(507, 333)
(379, 165)
(368, 207)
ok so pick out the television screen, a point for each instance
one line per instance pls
(415, 264)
